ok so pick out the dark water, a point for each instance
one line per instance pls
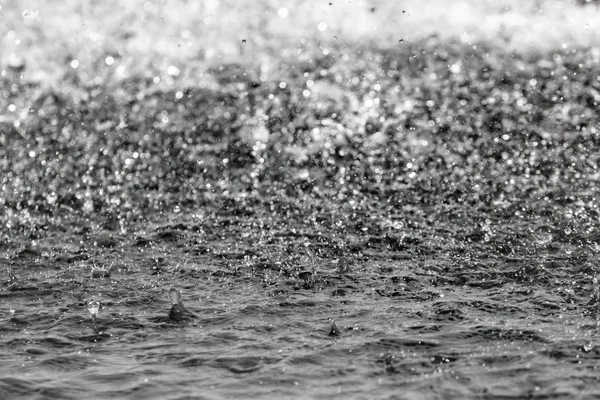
(448, 226)
(414, 322)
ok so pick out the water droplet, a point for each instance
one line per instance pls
(16, 62)
(173, 70)
(51, 198)
(93, 307)
(175, 296)
(283, 12)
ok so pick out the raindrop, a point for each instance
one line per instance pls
(11, 275)
(173, 70)
(283, 12)
(93, 307)
(31, 15)
(343, 266)
(51, 198)
(334, 331)
(16, 62)
(455, 68)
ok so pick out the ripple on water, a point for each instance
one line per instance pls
(134, 383)
(402, 343)
(490, 333)
(244, 364)
(65, 363)
(12, 387)
(54, 342)
(94, 337)
(396, 332)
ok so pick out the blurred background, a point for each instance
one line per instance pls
(41, 38)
